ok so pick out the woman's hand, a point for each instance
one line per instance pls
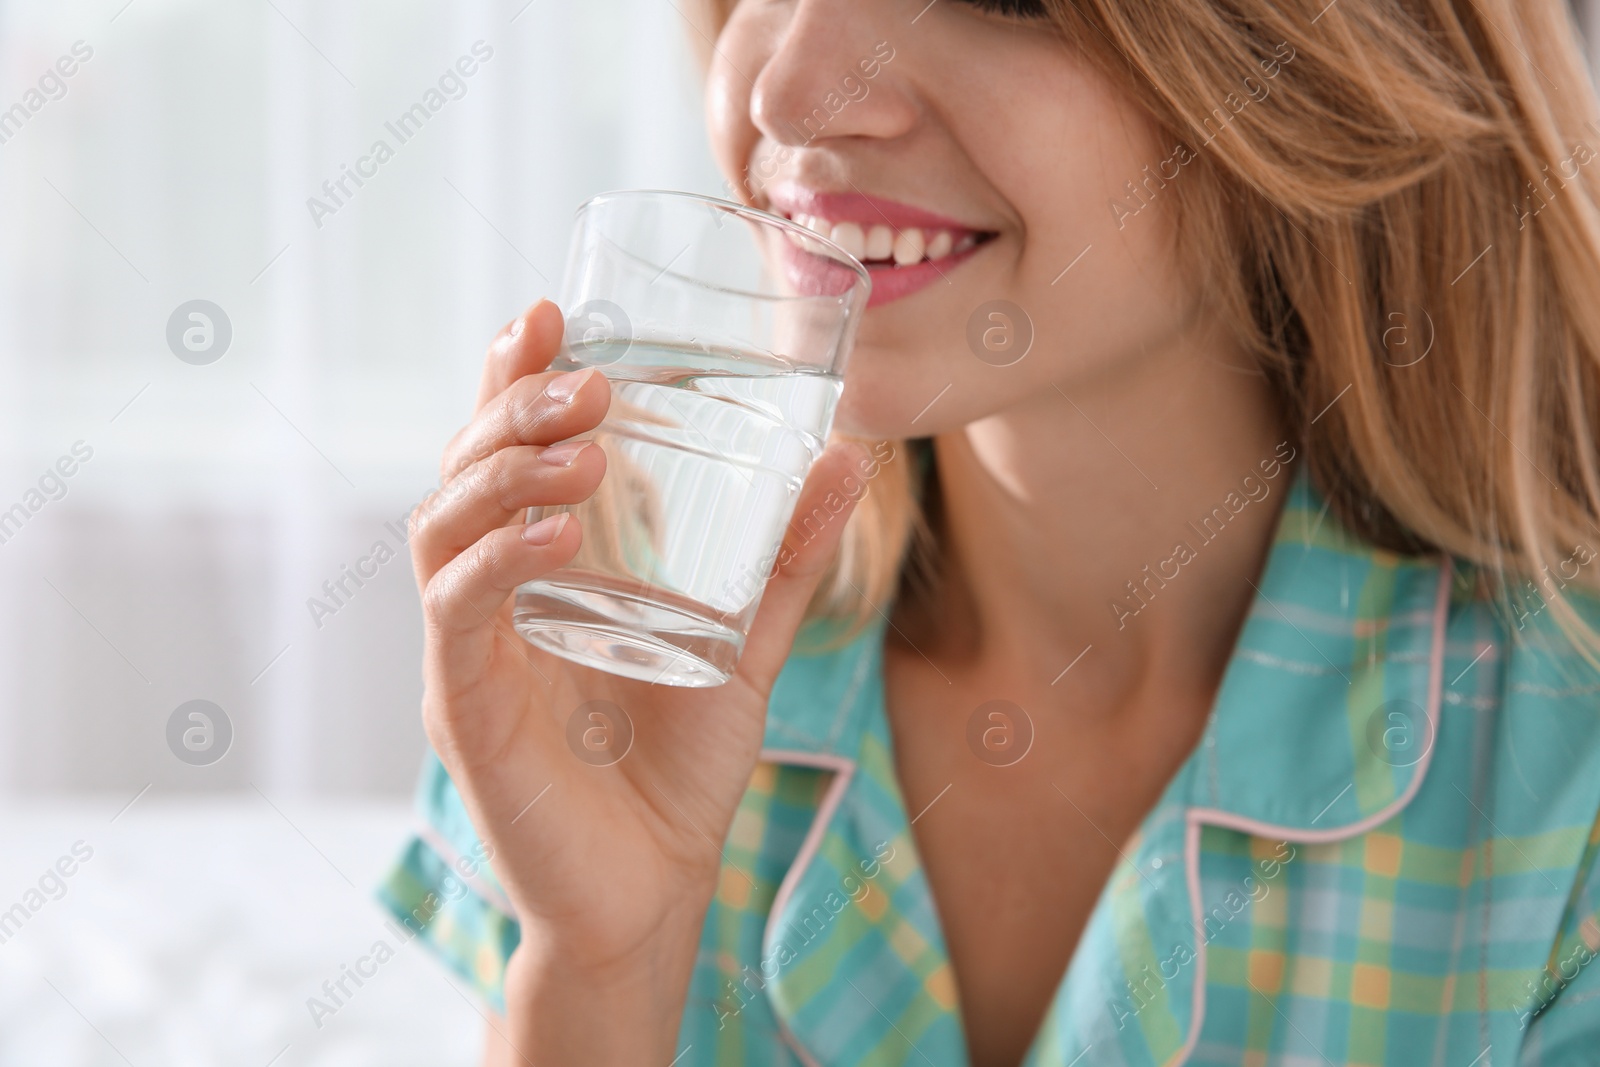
(610, 868)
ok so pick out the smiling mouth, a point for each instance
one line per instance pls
(880, 246)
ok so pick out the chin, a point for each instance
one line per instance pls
(860, 420)
(867, 409)
(885, 410)
(915, 387)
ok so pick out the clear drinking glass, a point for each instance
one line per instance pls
(724, 331)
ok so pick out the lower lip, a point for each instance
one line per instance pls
(891, 283)
(812, 274)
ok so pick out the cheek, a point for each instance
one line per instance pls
(728, 129)
(1095, 291)
(743, 48)
(1095, 266)
(1099, 218)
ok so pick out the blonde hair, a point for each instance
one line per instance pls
(1419, 166)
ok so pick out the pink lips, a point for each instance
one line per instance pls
(792, 199)
(889, 282)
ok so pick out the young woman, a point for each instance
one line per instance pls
(1206, 673)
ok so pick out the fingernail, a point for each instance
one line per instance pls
(545, 530)
(564, 454)
(516, 327)
(563, 387)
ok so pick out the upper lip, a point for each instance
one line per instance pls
(792, 198)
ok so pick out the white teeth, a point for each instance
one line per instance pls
(880, 242)
(848, 236)
(817, 226)
(909, 246)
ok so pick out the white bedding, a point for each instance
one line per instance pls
(198, 928)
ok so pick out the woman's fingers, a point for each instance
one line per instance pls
(493, 491)
(536, 409)
(475, 670)
(465, 594)
(826, 502)
(526, 345)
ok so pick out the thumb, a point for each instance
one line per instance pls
(809, 544)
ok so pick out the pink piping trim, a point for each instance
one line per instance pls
(844, 770)
(1197, 1004)
(1199, 817)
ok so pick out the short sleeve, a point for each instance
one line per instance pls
(443, 892)
(1566, 1031)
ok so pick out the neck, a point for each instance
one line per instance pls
(1122, 519)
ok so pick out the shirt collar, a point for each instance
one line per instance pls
(1327, 711)
(822, 703)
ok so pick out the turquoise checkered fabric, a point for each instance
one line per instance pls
(1385, 850)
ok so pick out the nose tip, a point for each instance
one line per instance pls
(827, 78)
(771, 106)
(790, 100)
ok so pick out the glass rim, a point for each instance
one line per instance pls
(766, 218)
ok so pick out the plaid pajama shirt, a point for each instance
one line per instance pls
(1385, 850)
